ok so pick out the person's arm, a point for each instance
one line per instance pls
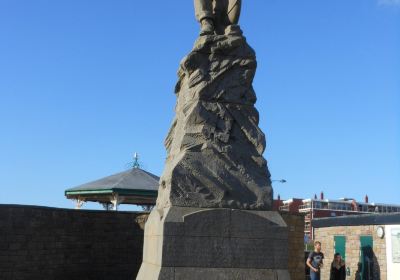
(308, 263)
(321, 264)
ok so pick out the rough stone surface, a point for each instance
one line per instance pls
(197, 243)
(215, 146)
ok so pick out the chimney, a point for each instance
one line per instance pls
(279, 197)
(366, 198)
(322, 195)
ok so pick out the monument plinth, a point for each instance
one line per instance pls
(213, 217)
(185, 243)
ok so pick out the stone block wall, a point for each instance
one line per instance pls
(352, 234)
(295, 223)
(50, 243)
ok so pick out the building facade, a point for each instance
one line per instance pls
(313, 208)
(370, 245)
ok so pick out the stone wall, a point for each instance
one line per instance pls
(50, 243)
(352, 234)
(295, 223)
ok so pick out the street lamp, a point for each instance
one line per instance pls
(279, 181)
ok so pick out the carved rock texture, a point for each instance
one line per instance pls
(215, 146)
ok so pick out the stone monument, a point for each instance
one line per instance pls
(213, 217)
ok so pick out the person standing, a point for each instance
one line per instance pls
(315, 261)
(338, 268)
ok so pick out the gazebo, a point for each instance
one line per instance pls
(134, 186)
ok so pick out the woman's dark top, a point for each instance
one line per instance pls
(338, 273)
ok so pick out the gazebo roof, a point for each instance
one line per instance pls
(135, 186)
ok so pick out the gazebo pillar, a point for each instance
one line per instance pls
(106, 206)
(116, 200)
(79, 203)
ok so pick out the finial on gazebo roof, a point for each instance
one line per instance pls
(136, 161)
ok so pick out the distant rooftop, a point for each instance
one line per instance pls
(358, 220)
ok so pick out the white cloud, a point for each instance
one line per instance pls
(389, 2)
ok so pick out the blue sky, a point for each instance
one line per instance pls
(85, 84)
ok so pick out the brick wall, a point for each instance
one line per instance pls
(352, 233)
(50, 243)
(295, 223)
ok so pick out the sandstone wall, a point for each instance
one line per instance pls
(295, 223)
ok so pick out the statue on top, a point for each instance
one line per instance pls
(215, 15)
